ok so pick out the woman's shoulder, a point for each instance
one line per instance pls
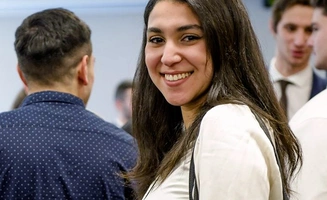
(229, 111)
(233, 120)
(231, 136)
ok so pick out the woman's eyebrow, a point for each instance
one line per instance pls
(187, 27)
(179, 29)
(154, 30)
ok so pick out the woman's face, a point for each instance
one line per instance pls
(176, 54)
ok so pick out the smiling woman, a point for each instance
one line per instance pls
(200, 79)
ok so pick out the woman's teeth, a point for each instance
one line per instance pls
(176, 77)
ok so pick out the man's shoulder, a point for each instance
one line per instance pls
(10, 116)
(319, 79)
(80, 120)
(318, 84)
(108, 129)
(313, 109)
(309, 124)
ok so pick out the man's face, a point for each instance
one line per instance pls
(318, 39)
(292, 33)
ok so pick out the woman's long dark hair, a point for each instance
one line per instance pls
(239, 76)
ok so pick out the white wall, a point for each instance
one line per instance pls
(259, 16)
(116, 35)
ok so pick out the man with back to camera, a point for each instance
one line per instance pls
(52, 147)
(294, 80)
(310, 123)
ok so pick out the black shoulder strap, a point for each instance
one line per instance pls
(192, 177)
(192, 181)
(265, 129)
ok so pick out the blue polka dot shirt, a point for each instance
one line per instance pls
(53, 148)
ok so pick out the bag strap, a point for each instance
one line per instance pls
(192, 181)
(192, 177)
(265, 129)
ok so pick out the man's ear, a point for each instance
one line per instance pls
(83, 70)
(271, 27)
(21, 76)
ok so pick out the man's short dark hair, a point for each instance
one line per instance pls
(280, 6)
(50, 43)
(320, 4)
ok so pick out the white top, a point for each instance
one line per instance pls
(310, 126)
(298, 93)
(233, 158)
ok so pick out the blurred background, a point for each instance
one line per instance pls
(116, 35)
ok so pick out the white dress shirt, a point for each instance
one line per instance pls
(298, 93)
(310, 126)
(233, 158)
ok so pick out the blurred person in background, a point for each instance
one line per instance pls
(294, 80)
(123, 102)
(309, 124)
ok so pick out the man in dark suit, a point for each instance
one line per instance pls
(294, 80)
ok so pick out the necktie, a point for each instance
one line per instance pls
(283, 100)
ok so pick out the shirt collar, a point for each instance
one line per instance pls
(301, 78)
(52, 96)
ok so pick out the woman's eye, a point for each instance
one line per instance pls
(155, 40)
(190, 38)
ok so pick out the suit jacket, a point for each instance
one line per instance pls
(318, 84)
